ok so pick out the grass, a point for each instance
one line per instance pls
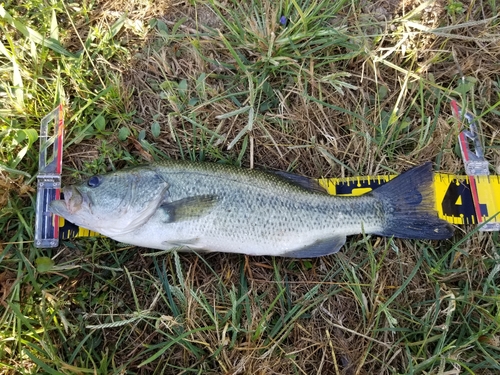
(333, 89)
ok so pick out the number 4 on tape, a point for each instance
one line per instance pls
(457, 204)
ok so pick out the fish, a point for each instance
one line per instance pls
(210, 207)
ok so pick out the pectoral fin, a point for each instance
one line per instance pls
(318, 248)
(188, 208)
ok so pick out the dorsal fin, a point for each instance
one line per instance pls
(304, 182)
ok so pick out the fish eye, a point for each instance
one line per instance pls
(94, 181)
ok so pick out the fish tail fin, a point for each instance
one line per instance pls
(409, 206)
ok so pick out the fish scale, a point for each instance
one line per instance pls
(239, 206)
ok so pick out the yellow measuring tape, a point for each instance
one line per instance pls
(68, 230)
(455, 200)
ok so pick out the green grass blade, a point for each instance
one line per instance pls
(34, 36)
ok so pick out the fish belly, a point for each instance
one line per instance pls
(260, 233)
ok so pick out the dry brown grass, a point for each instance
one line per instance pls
(314, 131)
(380, 306)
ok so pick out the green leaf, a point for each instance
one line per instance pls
(142, 135)
(235, 55)
(40, 363)
(464, 87)
(20, 155)
(155, 129)
(4, 51)
(123, 133)
(162, 27)
(234, 113)
(54, 28)
(117, 26)
(183, 86)
(7, 169)
(382, 92)
(18, 84)
(21, 136)
(201, 85)
(32, 135)
(178, 24)
(44, 264)
(100, 123)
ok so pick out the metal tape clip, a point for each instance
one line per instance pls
(49, 178)
(476, 165)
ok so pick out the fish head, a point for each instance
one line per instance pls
(114, 203)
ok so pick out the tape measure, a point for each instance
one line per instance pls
(456, 200)
(68, 230)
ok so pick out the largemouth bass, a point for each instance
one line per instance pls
(214, 207)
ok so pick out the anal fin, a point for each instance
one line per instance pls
(318, 248)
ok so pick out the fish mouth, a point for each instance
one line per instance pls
(72, 203)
